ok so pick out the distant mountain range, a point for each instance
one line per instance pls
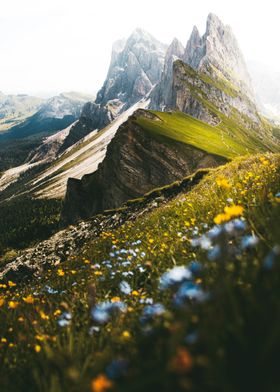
(14, 109)
(213, 116)
(51, 115)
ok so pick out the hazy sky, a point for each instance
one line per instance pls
(61, 45)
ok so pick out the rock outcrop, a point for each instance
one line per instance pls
(219, 48)
(205, 97)
(136, 67)
(136, 162)
(216, 67)
(68, 242)
(161, 96)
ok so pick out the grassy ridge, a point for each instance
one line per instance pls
(186, 129)
(226, 341)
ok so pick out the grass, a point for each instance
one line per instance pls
(186, 129)
(226, 342)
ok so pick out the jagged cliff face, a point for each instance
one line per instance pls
(161, 96)
(207, 98)
(136, 162)
(221, 73)
(219, 48)
(136, 67)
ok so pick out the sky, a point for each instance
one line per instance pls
(50, 46)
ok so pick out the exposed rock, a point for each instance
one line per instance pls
(161, 96)
(31, 262)
(219, 48)
(193, 92)
(215, 68)
(136, 162)
(136, 67)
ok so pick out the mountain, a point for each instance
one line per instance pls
(151, 150)
(267, 86)
(218, 49)
(46, 171)
(216, 56)
(16, 108)
(136, 67)
(161, 96)
(55, 114)
(136, 162)
(209, 119)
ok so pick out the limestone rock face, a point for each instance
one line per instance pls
(219, 48)
(136, 67)
(219, 70)
(161, 96)
(194, 93)
(136, 162)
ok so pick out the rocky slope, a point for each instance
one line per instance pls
(46, 171)
(136, 162)
(136, 67)
(70, 241)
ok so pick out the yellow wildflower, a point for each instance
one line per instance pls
(43, 315)
(60, 272)
(126, 334)
(13, 304)
(135, 293)
(11, 284)
(29, 299)
(39, 337)
(115, 299)
(222, 182)
(57, 312)
(37, 348)
(2, 301)
(229, 212)
(234, 210)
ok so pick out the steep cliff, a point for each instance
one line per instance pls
(136, 67)
(215, 66)
(137, 161)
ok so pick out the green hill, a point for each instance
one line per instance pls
(114, 318)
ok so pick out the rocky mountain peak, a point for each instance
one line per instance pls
(195, 49)
(218, 49)
(213, 22)
(175, 48)
(161, 95)
(136, 67)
